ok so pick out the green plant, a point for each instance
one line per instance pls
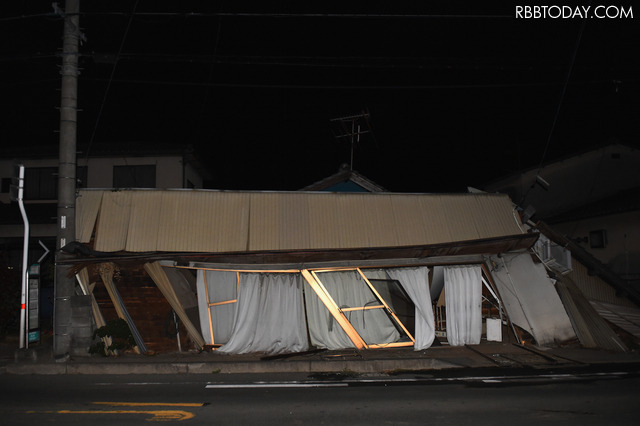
(120, 334)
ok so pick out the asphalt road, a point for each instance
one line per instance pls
(596, 399)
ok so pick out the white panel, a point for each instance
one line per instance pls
(530, 298)
(494, 330)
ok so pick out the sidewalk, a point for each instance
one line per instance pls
(38, 359)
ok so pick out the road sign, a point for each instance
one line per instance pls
(34, 303)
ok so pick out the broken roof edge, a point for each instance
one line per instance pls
(297, 192)
(365, 264)
(426, 254)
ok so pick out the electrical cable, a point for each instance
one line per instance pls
(113, 71)
(560, 102)
(341, 87)
(306, 15)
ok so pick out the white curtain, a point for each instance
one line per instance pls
(270, 315)
(415, 282)
(324, 331)
(463, 297)
(221, 287)
(349, 290)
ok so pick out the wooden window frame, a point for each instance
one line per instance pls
(311, 277)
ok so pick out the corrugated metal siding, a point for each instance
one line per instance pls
(321, 211)
(593, 287)
(354, 229)
(200, 221)
(499, 215)
(435, 225)
(380, 211)
(293, 216)
(87, 208)
(463, 211)
(144, 222)
(213, 221)
(627, 318)
(589, 326)
(265, 223)
(113, 221)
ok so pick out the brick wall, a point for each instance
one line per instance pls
(149, 310)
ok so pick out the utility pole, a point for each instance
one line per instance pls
(66, 221)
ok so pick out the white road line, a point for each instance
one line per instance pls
(346, 383)
(273, 385)
(144, 383)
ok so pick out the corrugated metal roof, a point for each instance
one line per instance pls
(593, 287)
(624, 317)
(590, 327)
(220, 221)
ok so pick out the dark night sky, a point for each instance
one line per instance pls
(458, 93)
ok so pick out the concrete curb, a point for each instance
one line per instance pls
(312, 366)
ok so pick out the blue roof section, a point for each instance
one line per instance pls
(348, 186)
(345, 180)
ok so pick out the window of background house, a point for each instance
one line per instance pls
(6, 185)
(598, 238)
(40, 183)
(134, 176)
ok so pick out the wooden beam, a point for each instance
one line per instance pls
(386, 306)
(330, 304)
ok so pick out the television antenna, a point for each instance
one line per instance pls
(351, 128)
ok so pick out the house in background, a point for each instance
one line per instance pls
(591, 199)
(345, 180)
(108, 166)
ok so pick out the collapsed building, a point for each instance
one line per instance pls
(284, 272)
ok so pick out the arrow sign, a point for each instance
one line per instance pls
(46, 251)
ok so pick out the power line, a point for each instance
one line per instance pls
(113, 71)
(344, 87)
(266, 15)
(305, 15)
(564, 90)
(420, 62)
(37, 15)
(538, 178)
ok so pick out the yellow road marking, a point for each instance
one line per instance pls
(143, 404)
(158, 415)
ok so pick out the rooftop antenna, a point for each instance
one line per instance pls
(351, 128)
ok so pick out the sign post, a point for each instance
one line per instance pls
(17, 193)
